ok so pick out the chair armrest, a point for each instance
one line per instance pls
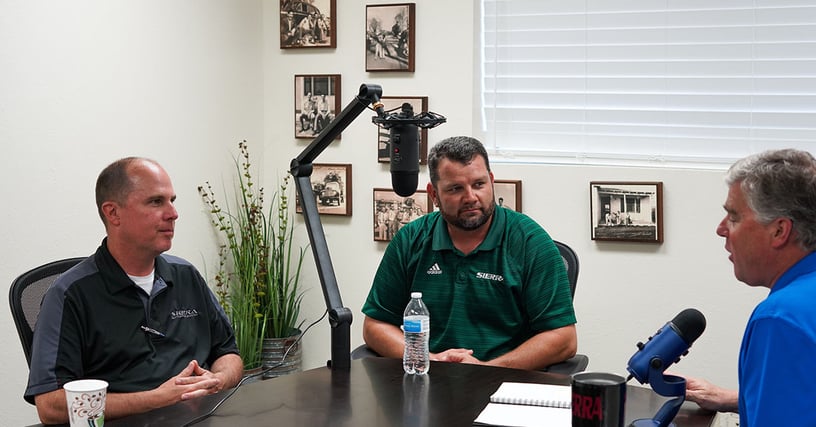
(575, 364)
(362, 352)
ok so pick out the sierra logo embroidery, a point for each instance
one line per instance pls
(490, 276)
(183, 313)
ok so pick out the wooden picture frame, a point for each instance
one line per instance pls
(308, 24)
(508, 193)
(627, 211)
(390, 37)
(317, 102)
(393, 104)
(392, 211)
(331, 184)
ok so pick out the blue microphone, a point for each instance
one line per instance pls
(667, 345)
(664, 348)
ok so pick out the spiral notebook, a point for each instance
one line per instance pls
(554, 396)
(528, 405)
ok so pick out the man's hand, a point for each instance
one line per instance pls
(457, 355)
(710, 396)
(197, 381)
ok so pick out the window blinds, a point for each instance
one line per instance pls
(683, 83)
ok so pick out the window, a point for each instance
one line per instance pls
(683, 83)
(632, 204)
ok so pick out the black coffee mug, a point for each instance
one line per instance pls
(598, 399)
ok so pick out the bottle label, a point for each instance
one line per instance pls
(416, 324)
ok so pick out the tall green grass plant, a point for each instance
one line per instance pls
(257, 282)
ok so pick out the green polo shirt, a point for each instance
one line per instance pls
(511, 287)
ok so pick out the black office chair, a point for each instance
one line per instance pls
(25, 296)
(577, 363)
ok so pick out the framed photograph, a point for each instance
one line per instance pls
(331, 184)
(308, 24)
(392, 211)
(317, 101)
(393, 104)
(508, 193)
(390, 37)
(627, 211)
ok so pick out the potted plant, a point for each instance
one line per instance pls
(259, 269)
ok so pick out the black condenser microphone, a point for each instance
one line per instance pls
(404, 154)
(667, 345)
(403, 144)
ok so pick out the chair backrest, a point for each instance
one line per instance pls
(571, 263)
(579, 362)
(25, 296)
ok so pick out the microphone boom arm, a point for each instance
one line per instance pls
(340, 317)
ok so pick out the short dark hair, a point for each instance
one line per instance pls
(114, 182)
(461, 149)
(780, 184)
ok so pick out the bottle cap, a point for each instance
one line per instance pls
(416, 294)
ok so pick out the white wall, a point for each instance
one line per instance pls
(86, 82)
(443, 73)
(91, 81)
(626, 291)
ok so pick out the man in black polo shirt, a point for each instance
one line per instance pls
(144, 322)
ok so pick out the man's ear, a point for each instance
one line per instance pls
(432, 194)
(782, 229)
(110, 210)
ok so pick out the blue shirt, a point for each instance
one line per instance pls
(777, 386)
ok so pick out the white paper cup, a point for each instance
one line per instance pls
(86, 402)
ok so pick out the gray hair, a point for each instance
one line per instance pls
(460, 149)
(780, 184)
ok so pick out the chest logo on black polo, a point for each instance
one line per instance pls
(434, 269)
(183, 313)
(490, 276)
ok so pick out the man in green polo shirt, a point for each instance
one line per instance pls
(492, 278)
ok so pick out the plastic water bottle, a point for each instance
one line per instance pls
(416, 323)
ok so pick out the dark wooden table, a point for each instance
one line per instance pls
(376, 393)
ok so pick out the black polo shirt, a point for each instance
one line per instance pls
(96, 323)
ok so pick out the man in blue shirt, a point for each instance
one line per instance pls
(770, 234)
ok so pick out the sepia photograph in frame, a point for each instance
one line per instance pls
(390, 37)
(627, 211)
(393, 104)
(331, 185)
(317, 102)
(392, 211)
(508, 193)
(308, 24)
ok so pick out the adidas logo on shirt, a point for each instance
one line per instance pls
(435, 269)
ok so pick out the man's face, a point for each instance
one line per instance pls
(747, 241)
(147, 218)
(464, 193)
